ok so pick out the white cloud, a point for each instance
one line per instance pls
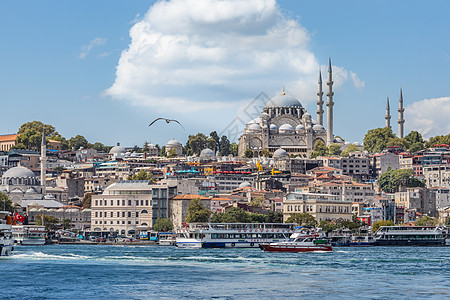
(85, 49)
(203, 55)
(429, 116)
(359, 84)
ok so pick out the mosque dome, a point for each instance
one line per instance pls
(280, 153)
(207, 153)
(273, 127)
(49, 197)
(173, 143)
(16, 191)
(306, 115)
(18, 172)
(300, 127)
(264, 116)
(254, 121)
(285, 128)
(254, 127)
(245, 184)
(117, 149)
(318, 128)
(31, 190)
(33, 209)
(283, 101)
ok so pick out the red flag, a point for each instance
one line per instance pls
(18, 217)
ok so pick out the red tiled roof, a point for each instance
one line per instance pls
(8, 137)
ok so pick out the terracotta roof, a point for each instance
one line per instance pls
(8, 137)
(189, 197)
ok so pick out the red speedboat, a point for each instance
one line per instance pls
(299, 244)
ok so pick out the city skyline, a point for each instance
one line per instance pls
(105, 70)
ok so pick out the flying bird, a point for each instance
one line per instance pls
(167, 121)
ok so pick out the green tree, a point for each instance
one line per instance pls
(87, 200)
(258, 201)
(163, 224)
(67, 223)
(5, 203)
(447, 221)
(391, 180)
(145, 148)
(216, 217)
(328, 226)
(303, 219)
(224, 146)
(248, 153)
(438, 140)
(416, 147)
(99, 147)
(49, 222)
(195, 144)
(274, 217)
(426, 221)
(402, 143)
(334, 149)
(234, 149)
(377, 225)
(30, 134)
(197, 212)
(77, 142)
(172, 153)
(414, 137)
(350, 148)
(319, 149)
(376, 140)
(162, 152)
(265, 152)
(142, 175)
(257, 218)
(214, 146)
(236, 215)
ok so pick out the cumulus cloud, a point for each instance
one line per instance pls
(194, 55)
(85, 49)
(429, 116)
(356, 81)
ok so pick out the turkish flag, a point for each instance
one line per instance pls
(18, 217)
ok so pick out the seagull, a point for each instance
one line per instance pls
(167, 121)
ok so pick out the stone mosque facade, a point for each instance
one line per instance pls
(285, 124)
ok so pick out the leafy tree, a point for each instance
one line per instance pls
(5, 203)
(334, 149)
(67, 223)
(426, 221)
(303, 219)
(99, 147)
(224, 146)
(248, 153)
(216, 217)
(30, 134)
(258, 201)
(391, 180)
(265, 152)
(274, 217)
(416, 147)
(49, 222)
(402, 143)
(172, 153)
(236, 215)
(87, 200)
(19, 146)
(350, 148)
(328, 226)
(377, 225)
(257, 218)
(142, 175)
(376, 140)
(414, 137)
(163, 224)
(319, 149)
(438, 140)
(145, 148)
(234, 149)
(162, 152)
(196, 143)
(214, 146)
(59, 170)
(197, 212)
(77, 142)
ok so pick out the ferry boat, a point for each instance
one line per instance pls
(167, 239)
(29, 235)
(410, 236)
(300, 242)
(6, 236)
(362, 241)
(232, 235)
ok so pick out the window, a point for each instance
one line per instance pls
(118, 202)
(118, 214)
(129, 202)
(137, 202)
(142, 202)
(146, 202)
(123, 202)
(129, 222)
(96, 214)
(112, 202)
(100, 215)
(96, 202)
(137, 214)
(129, 214)
(123, 214)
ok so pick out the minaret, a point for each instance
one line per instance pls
(388, 114)
(330, 103)
(320, 101)
(401, 121)
(43, 163)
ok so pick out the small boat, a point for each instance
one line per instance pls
(167, 239)
(29, 235)
(6, 236)
(362, 241)
(301, 241)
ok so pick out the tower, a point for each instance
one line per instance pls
(330, 104)
(388, 114)
(320, 101)
(43, 163)
(401, 121)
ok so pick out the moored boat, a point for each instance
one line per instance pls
(29, 235)
(362, 241)
(300, 243)
(6, 236)
(410, 236)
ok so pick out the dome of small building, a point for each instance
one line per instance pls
(117, 149)
(31, 190)
(173, 143)
(207, 153)
(33, 209)
(264, 116)
(19, 172)
(306, 115)
(60, 209)
(16, 191)
(280, 153)
(72, 210)
(42, 209)
(245, 184)
(254, 127)
(299, 127)
(273, 127)
(283, 101)
(318, 127)
(254, 121)
(49, 197)
(286, 128)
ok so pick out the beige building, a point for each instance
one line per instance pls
(178, 207)
(7, 141)
(382, 161)
(437, 175)
(353, 191)
(422, 200)
(322, 207)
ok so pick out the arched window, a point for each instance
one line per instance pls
(144, 211)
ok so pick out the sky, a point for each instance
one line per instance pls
(105, 69)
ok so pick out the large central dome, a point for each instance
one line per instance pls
(18, 172)
(283, 101)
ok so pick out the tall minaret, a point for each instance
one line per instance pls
(43, 163)
(330, 103)
(401, 121)
(320, 101)
(388, 114)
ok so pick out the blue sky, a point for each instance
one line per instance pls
(77, 65)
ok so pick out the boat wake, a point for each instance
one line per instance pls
(44, 256)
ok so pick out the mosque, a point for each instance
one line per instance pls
(285, 124)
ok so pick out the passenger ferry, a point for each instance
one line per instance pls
(410, 236)
(232, 235)
(6, 237)
(29, 235)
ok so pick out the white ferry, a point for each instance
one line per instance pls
(232, 235)
(29, 235)
(6, 237)
(410, 236)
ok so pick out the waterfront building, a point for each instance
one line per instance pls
(323, 207)
(422, 200)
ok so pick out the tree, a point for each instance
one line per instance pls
(77, 142)
(67, 223)
(334, 149)
(216, 217)
(99, 147)
(248, 153)
(172, 153)
(303, 219)
(377, 225)
(224, 146)
(195, 144)
(145, 148)
(391, 180)
(5, 203)
(30, 134)
(162, 152)
(236, 215)
(257, 218)
(416, 147)
(350, 148)
(398, 142)
(265, 152)
(328, 226)
(197, 212)
(234, 149)
(163, 224)
(49, 222)
(438, 140)
(414, 137)
(447, 221)
(258, 201)
(376, 140)
(426, 221)
(213, 136)
(142, 175)
(274, 217)
(87, 200)
(319, 149)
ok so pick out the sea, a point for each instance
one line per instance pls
(157, 272)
